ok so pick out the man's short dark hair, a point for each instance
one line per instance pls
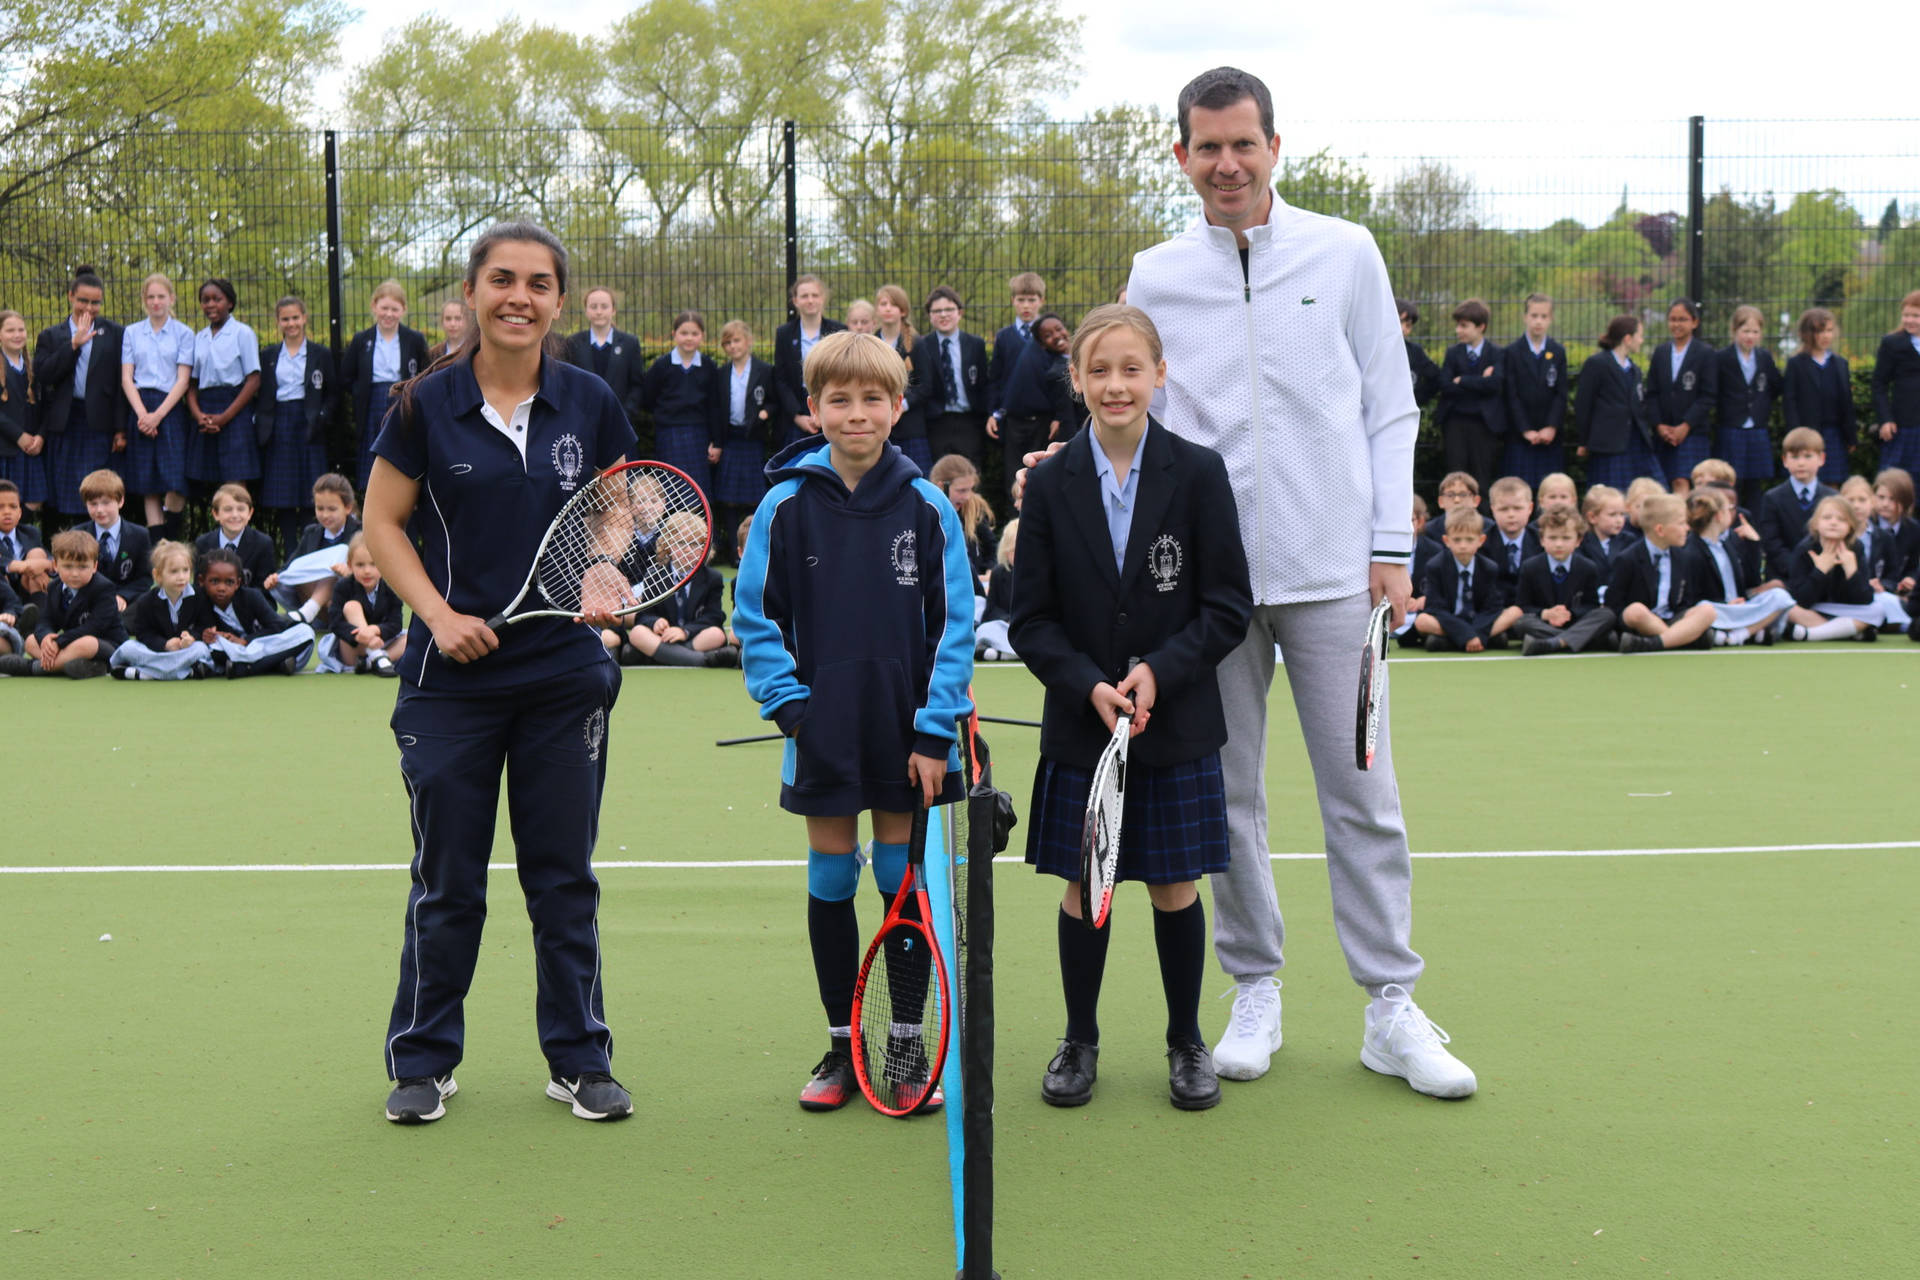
(1220, 88)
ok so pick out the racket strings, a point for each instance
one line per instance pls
(900, 1017)
(644, 526)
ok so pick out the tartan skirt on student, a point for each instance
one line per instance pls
(1679, 460)
(229, 454)
(157, 464)
(1532, 462)
(1902, 451)
(1622, 469)
(289, 463)
(1834, 470)
(1748, 450)
(377, 401)
(30, 474)
(70, 457)
(920, 451)
(685, 446)
(740, 477)
(1173, 823)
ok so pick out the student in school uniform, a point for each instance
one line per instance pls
(1819, 391)
(76, 365)
(1893, 517)
(684, 394)
(1115, 603)
(247, 635)
(1472, 413)
(1513, 541)
(1604, 508)
(14, 614)
(221, 392)
(687, 628)
(1457, 489)
(1786, 508)
(955, 365)
(454, 323)
(1682, 380)
(156, 361)
(611, 352)
(1745, 612)
(1037, 402)
(1610, 411)
(1746, 383)
(1029, 293)
(380, 356)
(233, 517)
(367, 629)
(332, 530)
(22, 445)
(1536, 377)
(122, 549)
(1426, 374)
(26, 566)
(1559, 592)
(1656, 589)
(159, 644)
(1827, 576)
(79, 625)
(1463, 608)
(1896, 389)
(793, 342)
(740, 477)
(298, 394)
(894, 312)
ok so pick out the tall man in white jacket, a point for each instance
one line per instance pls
(1284, 353)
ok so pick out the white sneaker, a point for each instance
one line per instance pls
(1403, 1042)
(1253, 1031)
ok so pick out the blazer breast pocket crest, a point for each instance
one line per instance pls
(1164, 560)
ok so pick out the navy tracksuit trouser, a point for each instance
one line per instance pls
(551, 740)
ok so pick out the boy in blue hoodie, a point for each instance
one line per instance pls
(854, 608)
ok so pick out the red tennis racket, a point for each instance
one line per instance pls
(900, 1003)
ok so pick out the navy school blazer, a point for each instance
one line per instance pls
(1712, 587)
(149, 621)
(259, 559)
(626, 366)
(1180, 601)
(1738, 399)
(1443, 586)
(1425, 549)
(316, 406)
(18, 415)
(257, 615)
(312, 537)
(1495, 549)
(913, 418)
(1590, 548)
(1690, 398)
(1536, 386)
(1610, 403)
(1636, 580)
(1811, 587)
(131, 571)
(1782, 524)
(973, 371)
(704, 606)
(789, 374)
(1904, 556)
(94, 612)
(384, 614)
(356, 367)
(1475, 389)
(680, 398)
(53, 363)
(1896, 381)
(763, 401)
(1817, 397)
(1007, 348)
(1426, 374)
(1537, 591)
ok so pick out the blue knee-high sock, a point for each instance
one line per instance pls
(1181, 939)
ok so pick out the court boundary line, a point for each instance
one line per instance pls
(753, 864)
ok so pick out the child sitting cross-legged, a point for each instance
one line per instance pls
(368, 633)
(1657, 594)
(991, 641)
(160, 642)
(1743, 612)
(688, 628)
(1559, 591)
(79, 625)
(1833, 596)
(247, 635)
(1462, 591)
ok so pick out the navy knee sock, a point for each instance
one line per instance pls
(834, 933)
(1083, 963)
(1181, 939)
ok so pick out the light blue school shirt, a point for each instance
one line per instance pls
(175, 606)
(290, 374)
(1749, 367)
(737, 395)
(156, 357)
(1915, 340)
(1678, 357)
(82, 361)
(806, 344)
(386, 357)
(1118, 496)
(224, 359)
(1663, 561)
(1724, 562)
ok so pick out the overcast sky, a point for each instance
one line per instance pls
(1390, 79)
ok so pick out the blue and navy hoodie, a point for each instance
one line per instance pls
(855, 616)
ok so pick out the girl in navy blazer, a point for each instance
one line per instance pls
(683, 394)
(1610, 411)
(1746, 383)
(895, 312)
(1896, 389)
(22, 447)
(1130, 609)
(297, 396)
(375, 361)
(82, 414)
(1819, 391)
(750, 402)
(1680, 382)
(791, 343)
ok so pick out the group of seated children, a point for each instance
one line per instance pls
(1663, 570)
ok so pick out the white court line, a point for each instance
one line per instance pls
(761, 863)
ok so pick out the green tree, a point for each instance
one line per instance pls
(1823, 239)
(1325, 183)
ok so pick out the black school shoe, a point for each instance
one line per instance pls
(1070, 1076)
(420, 1099)
(1191, 1082)
(593, 1095)
(85, 669)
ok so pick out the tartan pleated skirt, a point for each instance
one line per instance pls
(740, 477)
(1622, 469)
(1749, 450)
(1173, 821)
(157, 464)
(289, 463)
(685, 447)
(72, 455)
(1532, 462)
(30, 474)
(232, 454)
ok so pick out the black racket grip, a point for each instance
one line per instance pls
(496, 622)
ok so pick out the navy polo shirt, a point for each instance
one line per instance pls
(482, 512)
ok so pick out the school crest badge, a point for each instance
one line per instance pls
(1686, 380)
(1639, 391)
(1760, 383)
(759, 395)
(906, 559)
(569, 460)
(413, 366)
(618, 349)
(973, 375)
(1553, 374)
(1164, 559)
(316, 380)
(594, 732)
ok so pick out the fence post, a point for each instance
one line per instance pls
(1696, 208)
(793, 211)
(334, 302)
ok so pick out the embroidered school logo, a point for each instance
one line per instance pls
(973, 374)
(569, 460)
(617, 348)
(906, 559)
(1164, 558)
(413, 366)
(1553, 374)
(1686, 380)
(759, 395)
(595, 732)
(1640, 391)
(316, 380)
(1760, 382)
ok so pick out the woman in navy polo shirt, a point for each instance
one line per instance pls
(484, 450)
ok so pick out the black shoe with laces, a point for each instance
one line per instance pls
(1191, 1081)
(593, 1095)
(420, 1099)
(832, 1084)
(1070, 1076)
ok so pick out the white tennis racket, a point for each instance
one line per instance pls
(1100, 836)
(632, 536)
(1373, 684)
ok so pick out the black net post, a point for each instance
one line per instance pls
(790, 166)
(336, 338)
(976, 1045)
(1696, 207)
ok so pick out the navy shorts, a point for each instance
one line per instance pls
(1173, 824)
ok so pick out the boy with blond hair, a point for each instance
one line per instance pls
(1512, 541)
(1464, 609)
(1657, 594)
(79, 626)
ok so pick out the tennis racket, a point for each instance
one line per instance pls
(900, 1002)
(632, 536)
(1100, 835)
(1373, 684)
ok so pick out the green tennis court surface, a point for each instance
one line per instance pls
(1690, 1064)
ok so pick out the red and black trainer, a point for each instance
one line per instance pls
(832, 1085)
